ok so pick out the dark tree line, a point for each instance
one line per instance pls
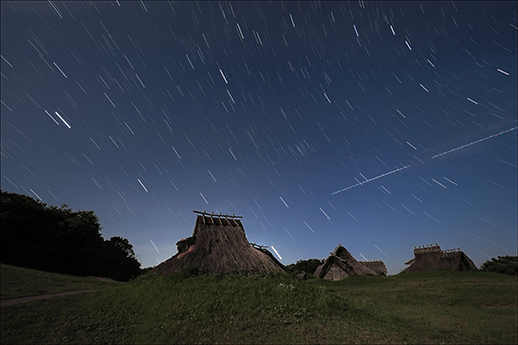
(57, 239)
(504, 264)
(307, 266)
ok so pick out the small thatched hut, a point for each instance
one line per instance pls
(433, 258)
(219, 245)
(340, 264)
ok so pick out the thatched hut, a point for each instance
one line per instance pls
(219, 245)
(432, 258)
(340, 264)
(377, 266)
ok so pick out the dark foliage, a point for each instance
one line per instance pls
(57, 239)
(308, 266)
(504, 264)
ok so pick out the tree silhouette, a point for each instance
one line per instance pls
(504, 264)
(308, 266)
(60, 240)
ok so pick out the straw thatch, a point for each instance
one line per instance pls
(340, 264)
(377, 266)
(433, 258)
(219, 245)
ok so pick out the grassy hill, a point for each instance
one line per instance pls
(21, 282)
(428, 307)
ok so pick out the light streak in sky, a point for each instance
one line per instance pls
(64, 75)
(450, 181)
(142, 185)
(176, 152)
(292, 22)
(514, 166)
(484, 254)
(406, 208)
(109, 99)
(62, 119)
(204, 198)
(431, 217)
(154, 246)
(440, 184)
(473, 142)
(309, 227)
(469, 99)
(220, 71)
(421, 201)
(240, 32)
(327, 98)
(232, 153)
(372, 179)
(284, 201)
(232, 98)
(412, 146)
(57, 123)
(276, 252)
(324, 212)
(380, 250)
(12, 65)
(212, 176)
(438, 155)
(33, 192)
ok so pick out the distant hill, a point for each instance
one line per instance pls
(57, 239)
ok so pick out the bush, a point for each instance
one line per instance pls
(504, 264)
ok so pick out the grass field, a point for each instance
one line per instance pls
(428, 307)
(21, 282)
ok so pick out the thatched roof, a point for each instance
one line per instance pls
(219, 245)
(377, 266)
(433, 258)
(341, 264)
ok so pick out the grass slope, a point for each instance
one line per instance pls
(430, 307)
(21, 282)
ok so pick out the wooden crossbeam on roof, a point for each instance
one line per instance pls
(218, 216)
(205, 213)
(258, 246)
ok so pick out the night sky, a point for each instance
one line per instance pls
(378, 125)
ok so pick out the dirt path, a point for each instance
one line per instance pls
(7, 302)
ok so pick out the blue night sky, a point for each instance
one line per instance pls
(378, 125)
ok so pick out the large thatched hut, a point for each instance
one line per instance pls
(431, 257)
(340, 264)
(219, 244)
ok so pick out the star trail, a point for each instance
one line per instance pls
(378, 125)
